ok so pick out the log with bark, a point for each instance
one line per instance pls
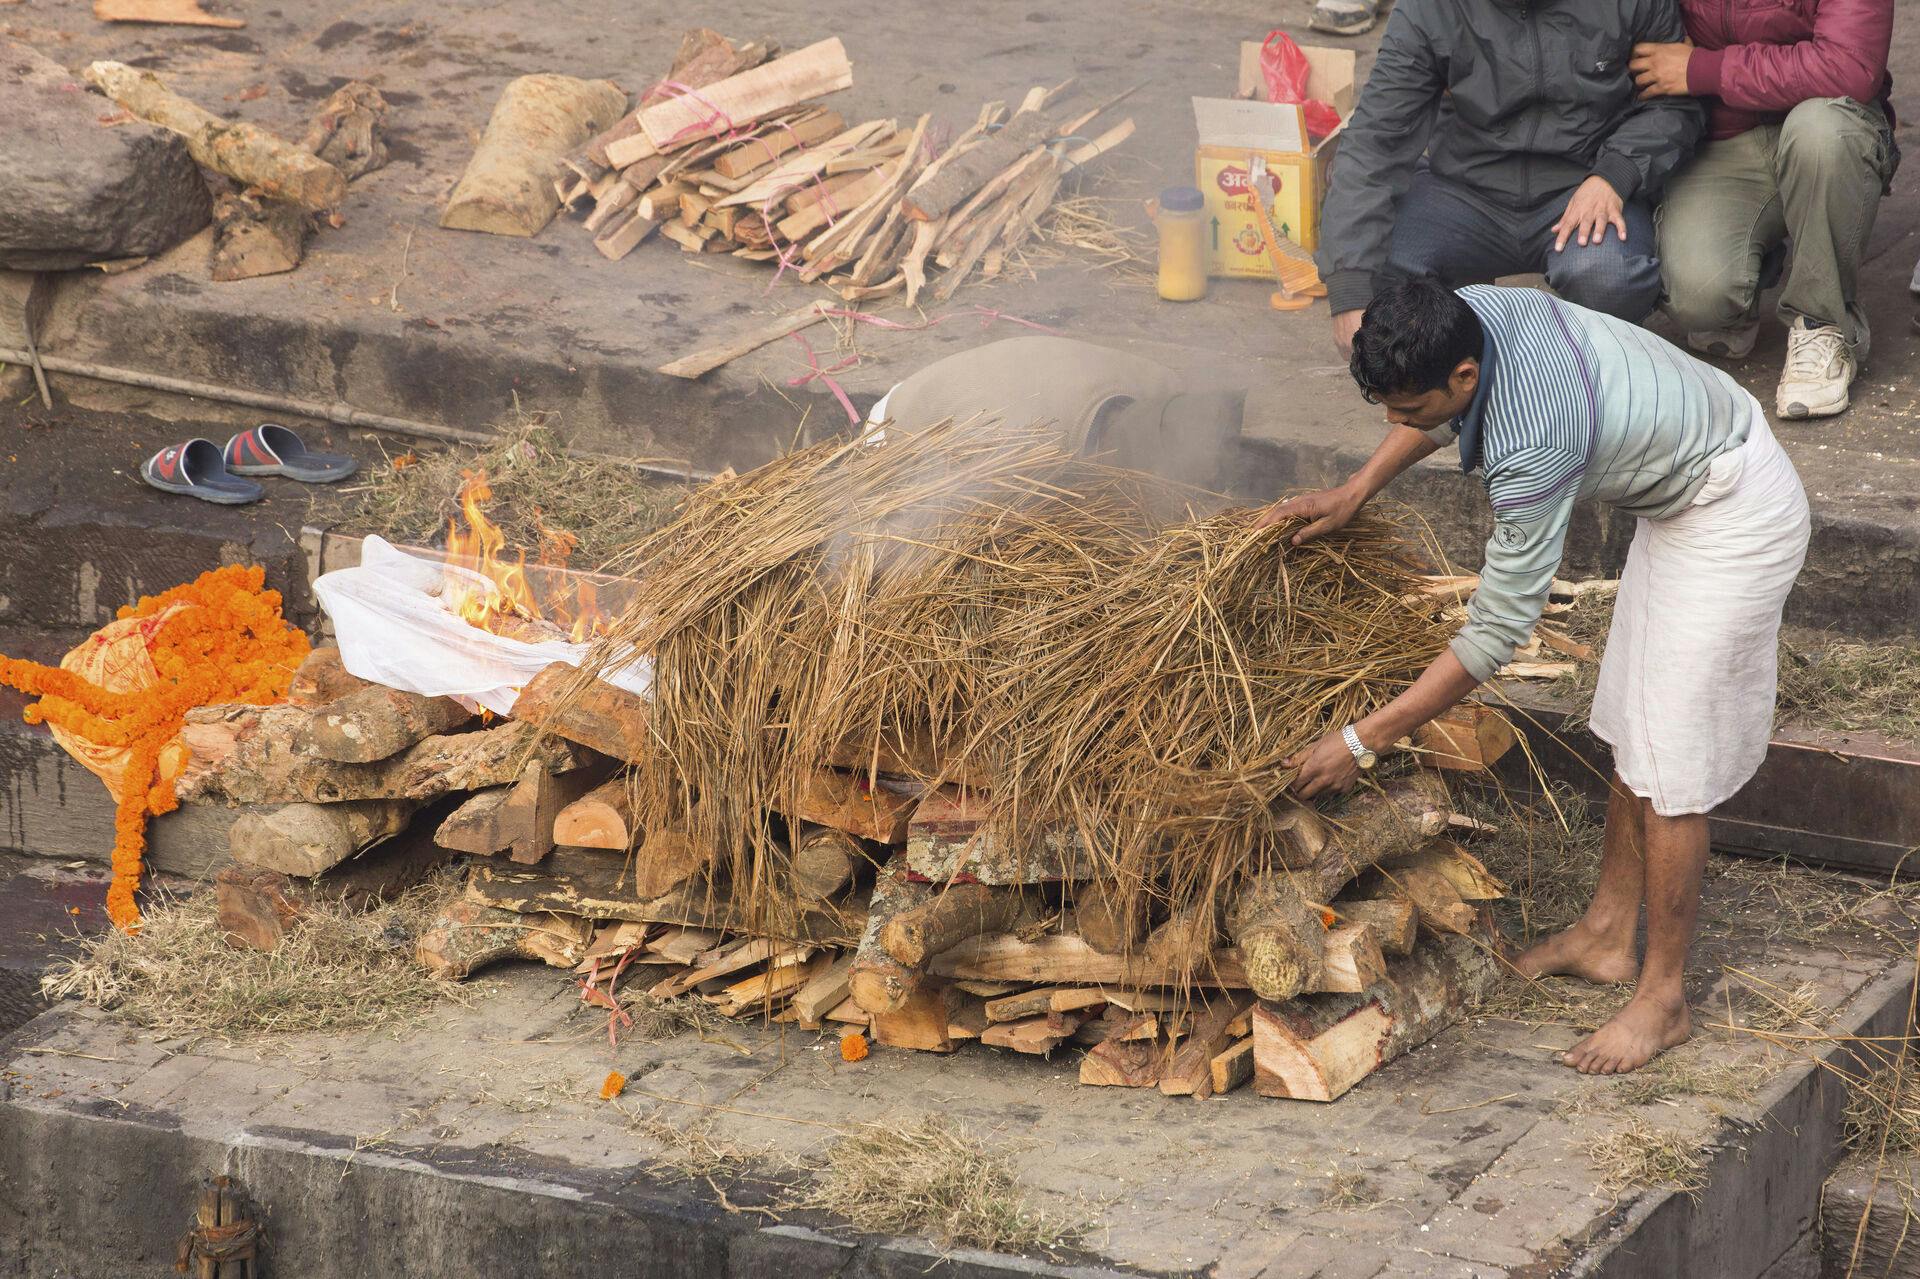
(948, 915)
(602, 818)
(478, 826)
(377, 722)
(594, 714)
(254, 236)
(824, 861)
(306, 839)
(250, 755)
(507, 188)
(322, 678)
(878, 981)
(257, 906)
(244, 152)
(349, 130)
(469, 936)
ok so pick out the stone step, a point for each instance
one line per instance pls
(1884, 1193)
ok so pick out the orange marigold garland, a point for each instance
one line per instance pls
(215, 640)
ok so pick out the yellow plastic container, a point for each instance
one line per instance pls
(1180, 215)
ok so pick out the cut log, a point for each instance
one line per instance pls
(1184, 940)
(878, 981)
(1316, 1048)
(253, 237)
(348, 133)
(244, 152)
(950, 914)
(322, 678)
(706, 360)
(1190, 1072)
(1353, 959)
(1434, 897)
(1106, 919)
(602, 818)
(507, 188)
(668, 858)
(852, 803)
(1394, 921)
(1233, 1067)
(257, 906)
(1281, 936)
(1060, 959)
(823, 861)
(377, 722)
(469, 936)
(478, 825)
(921, 1020)
(1035, 1035)
(942, 191)
(179, 13)
(1123, 1061)
(824, 991)
(595, 714)
(740, 100)
(533, 806)
(1472, 880)
(1470, 737)
(306, 839)
(1376, 825)
(247, 755)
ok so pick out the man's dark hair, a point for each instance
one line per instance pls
(1412, 338)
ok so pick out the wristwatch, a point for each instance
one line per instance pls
(1361, 755)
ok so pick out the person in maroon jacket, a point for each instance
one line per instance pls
(1799, 151)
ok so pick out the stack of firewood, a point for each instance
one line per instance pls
(731, 153)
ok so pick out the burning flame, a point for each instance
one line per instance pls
(515, 607)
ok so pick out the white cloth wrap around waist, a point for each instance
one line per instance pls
(1687, 684)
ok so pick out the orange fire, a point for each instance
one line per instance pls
(481, 547)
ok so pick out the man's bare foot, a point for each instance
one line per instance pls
(1638, 1033)
(1581, 952)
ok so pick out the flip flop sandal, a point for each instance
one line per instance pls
(271, 449)
(194, 469)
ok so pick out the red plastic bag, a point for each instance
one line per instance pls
(1285, 67)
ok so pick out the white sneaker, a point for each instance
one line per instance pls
(1820, 369)
(1727, 344)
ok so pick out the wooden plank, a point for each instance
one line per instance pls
(774, 142)
(1190, 1073)
(825, 990)
(740, 100)
(1045, 999)
(702, 362)
(1060, 959)
(680, 944)
(766, 988)
(1233, 1067)
(923, 1021)
(742, 954)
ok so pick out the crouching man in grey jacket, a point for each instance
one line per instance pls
(1503, 137)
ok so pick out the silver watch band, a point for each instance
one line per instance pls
(1354, 744)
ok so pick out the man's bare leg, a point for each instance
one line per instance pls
(1600, 947)
(1656, 1018)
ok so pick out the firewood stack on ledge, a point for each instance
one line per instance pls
(731, 153)
(761, 834)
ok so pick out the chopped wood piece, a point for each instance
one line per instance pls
(663, 201)
(823, 208)
(825, 990)
(742, 954)
(1470, 737)
(1395, 923)
(478, 825)
(1046, 999)
(591, 712)
(852, 803)
(763, 991)
(1183, 941)
(322, 678)
(1062, 958)
(668, 858)
(681, 945)
(624, 237)
(823, 861)
(248, 755)
(244, 152)
(1123, 1061)
(704, 57)
(1036, 1035)
(615, 939)
(258, 906)
(879, 982)
(599, 819)
(851, 1013)
(921, 1020)
(774, 142)
(377, 722)
(347, 133)
(507, 188)
(1190, 1072)
(694, 239)
(949, 914)
(1353, 959)
(968, 1020)
(1281, 936)
(1434, 897)
(742, 99)
(705, 361)
(1473, 881)
(180, 13)
(253, 237)
(534, 804)
(1233, 1067)
(469, 936)
(306, 839)
(1316, 1048)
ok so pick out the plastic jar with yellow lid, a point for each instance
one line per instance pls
(1180, 215)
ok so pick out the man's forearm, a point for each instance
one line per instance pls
(1402, 448)
(1439, 688)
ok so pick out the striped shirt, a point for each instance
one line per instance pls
(1574, 404)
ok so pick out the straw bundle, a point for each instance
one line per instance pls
(1125, 679)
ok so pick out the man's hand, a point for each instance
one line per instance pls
(1326, 767)
(1594, 205)
(1325, 511)
(1661, 69)
(1345, 325)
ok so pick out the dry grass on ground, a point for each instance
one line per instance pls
(537, 491)
(337, 970)
(1637, 1155)
(932, 1178)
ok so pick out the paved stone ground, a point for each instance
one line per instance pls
(1469, 1154)
(397, 315)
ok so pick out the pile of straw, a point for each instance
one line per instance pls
(1121, 670)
